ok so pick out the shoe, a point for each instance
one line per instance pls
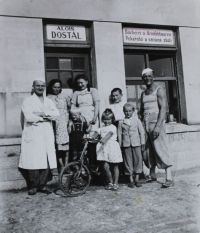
(115, 187)
(167, 184)
(131, 185)
(138, 184)
(32, 191)
(150, 179)
(109, 186)
(44, 190)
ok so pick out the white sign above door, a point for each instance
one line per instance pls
(148, 36)
(65, 32)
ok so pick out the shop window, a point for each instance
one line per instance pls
(165, 76)
(66, 67)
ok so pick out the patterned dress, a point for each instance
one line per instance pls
(61, 133)
(84, 100)
(110, 151)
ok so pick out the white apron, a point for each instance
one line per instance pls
(37, 138)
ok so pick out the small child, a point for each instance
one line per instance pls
(77, 128)
(131, 137)
(108, 149)
(117, 105)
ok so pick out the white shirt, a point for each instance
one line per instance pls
(117, 109)
(128, 120)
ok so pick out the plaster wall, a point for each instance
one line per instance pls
(22, 59)
(183, 147)
(168, 12)
(189, 38)
(109, 60)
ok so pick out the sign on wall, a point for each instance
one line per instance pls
(148, 36)
(65, 32)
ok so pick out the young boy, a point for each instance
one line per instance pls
(117, 105)
(131, 137)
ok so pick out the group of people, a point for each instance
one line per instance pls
(55, 125)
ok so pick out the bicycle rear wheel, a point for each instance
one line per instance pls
(74, 184)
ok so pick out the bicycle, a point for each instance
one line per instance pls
(76, 184)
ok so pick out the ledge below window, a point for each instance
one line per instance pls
(181, 128)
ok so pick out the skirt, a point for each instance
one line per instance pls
(109, 152)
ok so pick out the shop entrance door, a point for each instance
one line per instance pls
(65, 67)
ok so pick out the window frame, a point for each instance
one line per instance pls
(176, 50)
(71, 56)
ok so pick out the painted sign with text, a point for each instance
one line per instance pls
(65, 32)
(148, 36)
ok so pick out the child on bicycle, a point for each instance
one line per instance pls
(77, 128)
(108, 149)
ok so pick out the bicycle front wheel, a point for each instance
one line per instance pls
(74, 179)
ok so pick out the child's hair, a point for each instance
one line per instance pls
(129, 104)
(108, 113)
(117, 89)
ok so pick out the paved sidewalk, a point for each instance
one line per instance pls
(146, 209)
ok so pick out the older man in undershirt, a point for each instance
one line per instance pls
(153, 112)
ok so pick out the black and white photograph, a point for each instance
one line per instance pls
(100, 116)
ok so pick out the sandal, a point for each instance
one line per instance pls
(109, 186)
(115, 187)
(131, 185)
(168, 184)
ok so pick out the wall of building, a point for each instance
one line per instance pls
(109, 60)
(168, 12)
(190, 48)
(21, 60)
(183, 147)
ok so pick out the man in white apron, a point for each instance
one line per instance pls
(37, 147)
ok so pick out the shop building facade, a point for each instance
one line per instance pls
(111, 42)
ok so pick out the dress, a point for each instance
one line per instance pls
(156, 151)
(110, 151)
(61, 132)
(84, 100)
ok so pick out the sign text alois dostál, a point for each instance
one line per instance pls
(65, 32)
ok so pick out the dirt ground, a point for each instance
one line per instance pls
(146, 209)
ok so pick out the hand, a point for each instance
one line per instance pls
(143, 148)
(40, 114)
(103, 141)
(156, 132)
(46, 118)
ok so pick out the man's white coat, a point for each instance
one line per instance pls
(37, 137)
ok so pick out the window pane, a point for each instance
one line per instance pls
(52, 63)
(66, 78)
(134, 64)
(134, 90)
(161, 64)
(65, 63)
(78, 63)
(51, 75)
